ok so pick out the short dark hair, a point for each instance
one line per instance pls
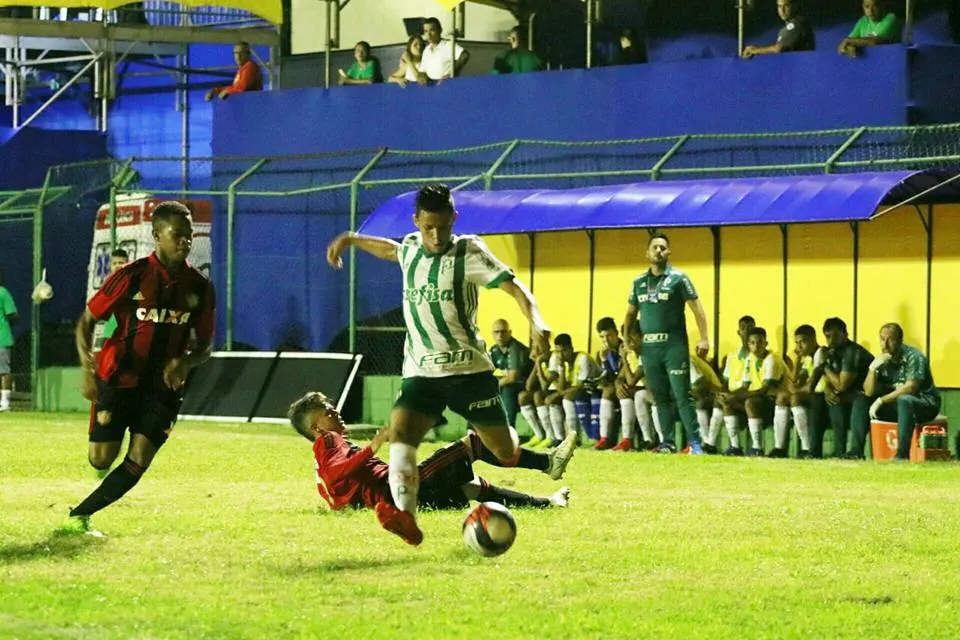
(658, 235)
(433, 21)
(364, 44)
(563, 340)
(434, 198)
(520, 33)
(120, 253)
(834, 323)
(758, 331)
(165, 212)
(748, 319)
(299, 412)
(897, 330)
(606, 324)
(806, 330)
(243, 44)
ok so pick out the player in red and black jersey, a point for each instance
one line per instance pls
(164, 310)
(350, 476)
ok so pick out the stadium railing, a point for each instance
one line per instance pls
(352, 183)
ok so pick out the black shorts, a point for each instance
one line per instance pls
(442, 475)
(151, 413)
(475, 396)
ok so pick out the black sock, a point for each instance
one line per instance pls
(113, 487)
(528, 459)
(508, 498)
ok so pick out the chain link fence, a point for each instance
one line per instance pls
(310, 197)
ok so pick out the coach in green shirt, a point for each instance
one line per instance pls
(877, 26)
(900, 386)
(511, 359)
(660, 296)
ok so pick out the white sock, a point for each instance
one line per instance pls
(543, 413)
(628, 419)
(556, 421)
(713, 430)
(5, 398)
(730, 422)
(656, 421)
(643, 416)
(800, 423)
(607, 411)
(404, 477)
(756, 432)
(703, 420)
(781, 425)
(529, 413)
(571, 423)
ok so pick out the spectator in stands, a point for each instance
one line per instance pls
(877, 26)
(518, 58)
(796, 34)
(630, 52)
(8, 316)
(845, 368)
(511, 360)
(441, 60)
(898, 388)
(248, 76)
(365, 68)
(409, 69)
(733, 366)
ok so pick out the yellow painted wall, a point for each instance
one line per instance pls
(495, 304)
(945, 298)
(820, 271)
(561, 283)
(892, 284)
(819, 275)
(751, 283)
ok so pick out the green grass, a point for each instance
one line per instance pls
(225, 538)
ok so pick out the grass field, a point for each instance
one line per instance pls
(225, 538)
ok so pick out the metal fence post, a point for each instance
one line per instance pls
(37, 271)
(832, 160)
(231, 215)
(489, 173)
(352, 274)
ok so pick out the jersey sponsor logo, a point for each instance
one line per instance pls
(446, 358)
(163, 316)
(483, 404)
(446, 264)
(661, 296)
(427, 293)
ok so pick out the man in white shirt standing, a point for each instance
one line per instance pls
(441, 59)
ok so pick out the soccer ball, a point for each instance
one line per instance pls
(489, 529)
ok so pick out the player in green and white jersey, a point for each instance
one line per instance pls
(445, 362)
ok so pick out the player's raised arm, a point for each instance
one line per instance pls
(383, 248)
(528, 305)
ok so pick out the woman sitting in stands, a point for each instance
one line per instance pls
(409, 69)
(365, 69)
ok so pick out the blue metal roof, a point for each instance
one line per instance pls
(700, 203)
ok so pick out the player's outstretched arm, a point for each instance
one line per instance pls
(84, 340)
(383, 248)
(528, 305)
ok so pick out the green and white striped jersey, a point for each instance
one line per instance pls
(440, 305)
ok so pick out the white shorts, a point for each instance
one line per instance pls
(4, 361)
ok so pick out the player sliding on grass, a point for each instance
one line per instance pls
(445, 361)
(135, 381)
(350, 476)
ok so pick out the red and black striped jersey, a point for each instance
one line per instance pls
(156, 310)
(347, 474)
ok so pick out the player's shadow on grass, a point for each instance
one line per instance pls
(54, 545)
(346, 564)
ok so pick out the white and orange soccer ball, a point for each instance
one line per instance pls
(489, 529)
